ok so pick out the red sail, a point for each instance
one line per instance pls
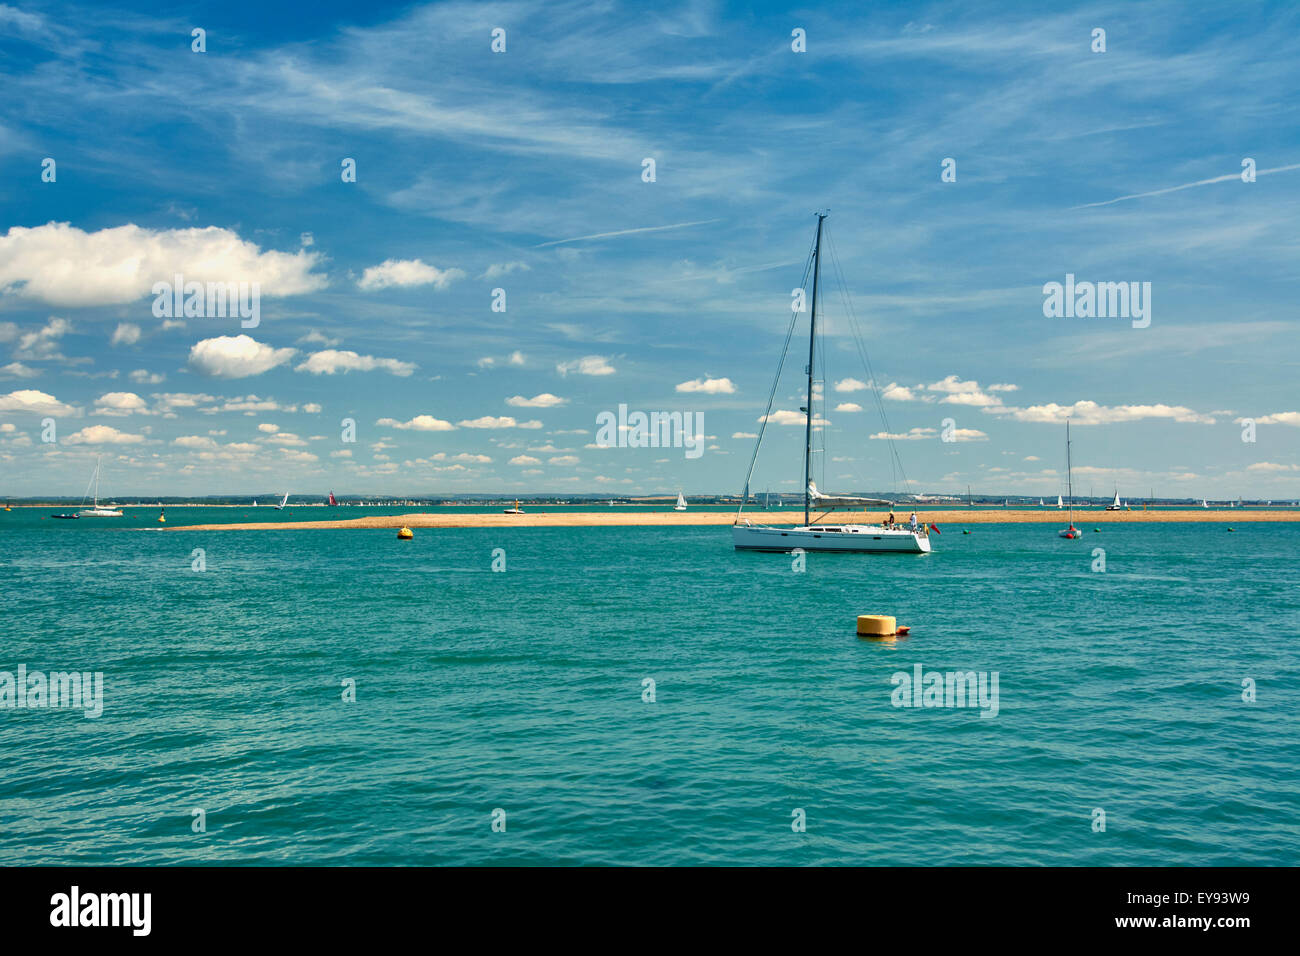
(332, 501)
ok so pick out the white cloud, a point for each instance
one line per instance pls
(848, 407)
(963, 393)
(544, 400)
(850, 385)
(30, 400)
(405, 273)
(525, 460)
(236, 356)
(564, 460)
(268, 428)
(587, 365)
(901, 393)
(102, 435)
(1091, 413)
(330, 362)
(64, 266)
(167, 401)
(502, 421)
(914, 434)
(498, 269)
(1271, 466)
(711, 386)
(144, 377)
(119, 403)
(18, 370)
(126, 333)
(42, 345)
(744, 434)
(194, 441)
(420, 423)
(787, 417)
(318, 338)
(1278, 418)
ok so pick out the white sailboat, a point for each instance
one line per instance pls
(1204, 504)
(283, 501)
(1115, 506)
(815, 534)
(1071, 531)
(681, 502)
(1040, 502)
(97, 510)
(516, 510)
(1059, 503)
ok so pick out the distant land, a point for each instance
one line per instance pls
(774, 501)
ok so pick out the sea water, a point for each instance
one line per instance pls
(647, 695)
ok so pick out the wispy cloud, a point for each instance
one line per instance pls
(627, 232)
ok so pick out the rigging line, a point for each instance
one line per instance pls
(896, 461)
(776, 381)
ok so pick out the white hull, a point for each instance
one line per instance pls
(98, 513)
(829, 537)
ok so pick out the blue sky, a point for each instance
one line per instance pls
(479, 170)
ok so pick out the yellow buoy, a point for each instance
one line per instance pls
(162, 518)
(405, 534)
(877, 625)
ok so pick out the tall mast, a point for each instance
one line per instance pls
(1069, 471)
(98, 463)
(812, 339)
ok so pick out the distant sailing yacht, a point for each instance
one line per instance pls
(516, 510)
(681, 503)
(1115, 506)
(332, 503)
(816, 536)
(97, 510)
(1059, 503)
(1071, 531)
(283, 501)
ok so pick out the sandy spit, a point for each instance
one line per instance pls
(956, 517)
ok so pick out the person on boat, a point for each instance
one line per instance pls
(913, 522)
(889, 522)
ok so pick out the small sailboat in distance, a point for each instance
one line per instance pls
(332, 503)
(283, 501)
(97, 510)
(1204, 504)
(1059, 503)
(681, 502)
(1071, 531)
(516, 510)
(1115, 506)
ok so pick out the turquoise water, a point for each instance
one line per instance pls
(523, 690)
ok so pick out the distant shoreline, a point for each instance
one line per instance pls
(598, 519)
